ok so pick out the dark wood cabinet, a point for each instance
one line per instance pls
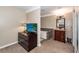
(27, 40)
(59, 35)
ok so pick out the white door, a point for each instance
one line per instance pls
(75, 28)
(78, 33)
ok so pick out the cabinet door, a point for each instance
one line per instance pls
(63, 36)
(57, 35)
(60, 35)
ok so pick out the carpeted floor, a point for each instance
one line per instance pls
(48, 46)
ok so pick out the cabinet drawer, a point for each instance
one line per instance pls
(23, 37)
(24, 46)
(20, 35)
(23, 41)
(26, 39)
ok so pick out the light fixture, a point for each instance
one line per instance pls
(21, 29)
(22, 26)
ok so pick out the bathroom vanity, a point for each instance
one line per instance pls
(59, 35)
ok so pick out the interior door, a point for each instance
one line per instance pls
(75, 37)
(78, 33)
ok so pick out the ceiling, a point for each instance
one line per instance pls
(44, 9)
(27, 8)
(48, 9)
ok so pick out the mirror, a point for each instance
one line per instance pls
(60, 22)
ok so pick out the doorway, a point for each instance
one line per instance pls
(48, 27)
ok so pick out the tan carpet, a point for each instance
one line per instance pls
(48, 46)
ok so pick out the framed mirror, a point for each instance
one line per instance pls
(60, 22)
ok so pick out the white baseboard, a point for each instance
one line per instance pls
(7, 45)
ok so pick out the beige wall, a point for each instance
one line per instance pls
(34, 17)
(48, 22)
(69, 25)
(10, 18)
